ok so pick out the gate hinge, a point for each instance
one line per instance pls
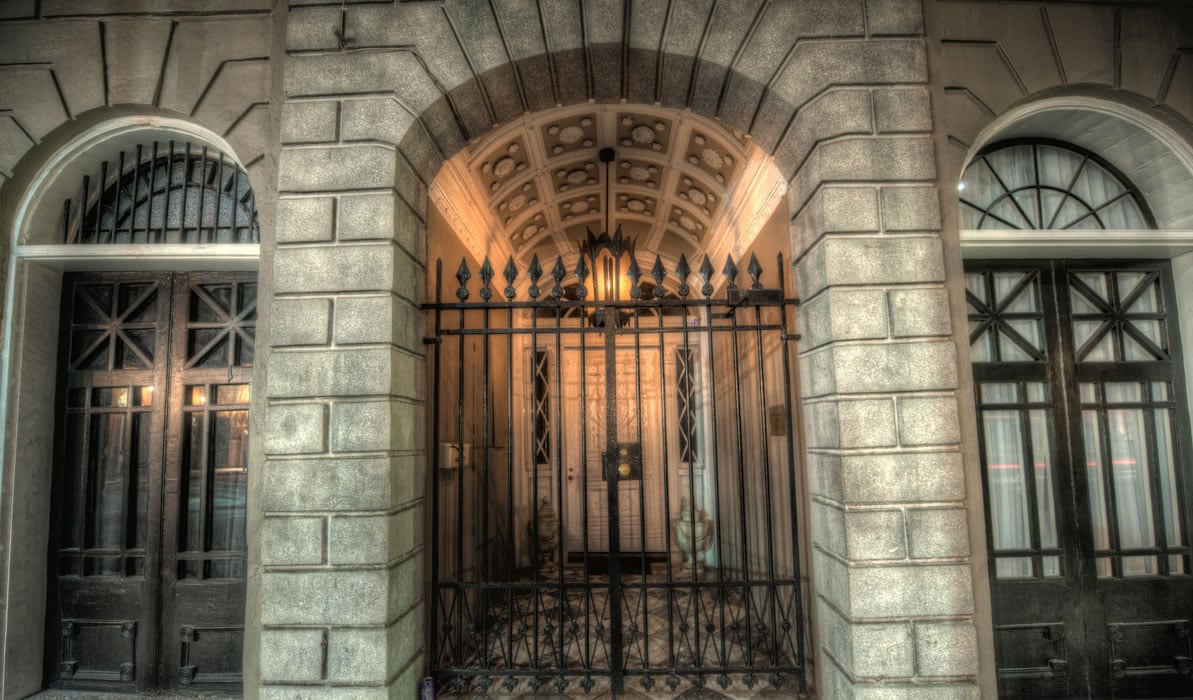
(431, 341)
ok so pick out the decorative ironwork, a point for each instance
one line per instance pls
(686, 405)
(623, 608)
(1047, 184)
(169, 193)
(542, 408)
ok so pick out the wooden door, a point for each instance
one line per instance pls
(639, 419)
(1086, 464)
(147, 588)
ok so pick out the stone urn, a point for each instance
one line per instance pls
(693, 532)
(545, 545)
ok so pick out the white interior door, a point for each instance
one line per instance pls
(640, 503)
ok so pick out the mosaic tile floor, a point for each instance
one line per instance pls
(710, 627)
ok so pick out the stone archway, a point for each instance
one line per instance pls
(377, 97)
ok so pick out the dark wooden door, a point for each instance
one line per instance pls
(1086, 463)
(147, 590)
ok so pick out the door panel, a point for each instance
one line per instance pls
(149, 466)
(1086, 468)
(638, 409)
(103, 613)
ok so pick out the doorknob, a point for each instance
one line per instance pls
(571, 475)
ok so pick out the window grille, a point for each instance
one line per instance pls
(167, 193)
(1043, 184)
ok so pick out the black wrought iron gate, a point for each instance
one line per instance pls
(613, 482)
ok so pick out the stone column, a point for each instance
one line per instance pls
(342, 536)
(892, 592)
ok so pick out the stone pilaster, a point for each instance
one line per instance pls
(892, 588)
(342, 537)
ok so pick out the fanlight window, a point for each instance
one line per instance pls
(163, 192)
(1047, 185)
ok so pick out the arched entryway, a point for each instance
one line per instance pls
(866, 252)
(130, 356)
(1082, 396)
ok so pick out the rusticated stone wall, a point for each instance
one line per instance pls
(378, 96)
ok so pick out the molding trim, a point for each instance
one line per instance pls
(1148, 243)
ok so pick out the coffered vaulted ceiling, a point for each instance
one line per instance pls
(680, 184)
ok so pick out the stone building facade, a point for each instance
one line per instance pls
(343, 115)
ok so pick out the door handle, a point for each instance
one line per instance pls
(571, 475)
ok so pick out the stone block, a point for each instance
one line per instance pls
(310, 692)
(344, 372)
(310, 122)
(341, 268)
(930, 420)
(312, 27)
(946, 649)
(917, 691)
(887, 17)
(375, 426)
(357, 656)
(919, 312)
(366, 216)
(851, 424)
(374, 539)
(882, 368)
(910, 208)
(300, 322)
(902, 110)
(864, 159)
(407, 638)
(895, 477)
(819, 64)
(325, 597)
(336, 168)
(305, 219)
(909, 591)
(379, 319)
(291, 541)
(868, 650)
(843, 314)
(343, 484)
(839, 111)
(293, 656)
(406, 585)
(856, 260)
(859, 535)
(938, 533)
(874, 534)
(358, 539)
(295, 429)
(882, 651)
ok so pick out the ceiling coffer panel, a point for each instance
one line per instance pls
(712, 157)
(502, 165)
(567, 136)
(576, 175)
(644, 132)
(583, 207)
(632, 171)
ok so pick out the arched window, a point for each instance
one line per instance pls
(1046, 184)
(170, 193)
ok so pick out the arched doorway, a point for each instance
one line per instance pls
(1082, 408)
(136, 253)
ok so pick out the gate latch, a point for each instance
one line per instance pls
(623, 463)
